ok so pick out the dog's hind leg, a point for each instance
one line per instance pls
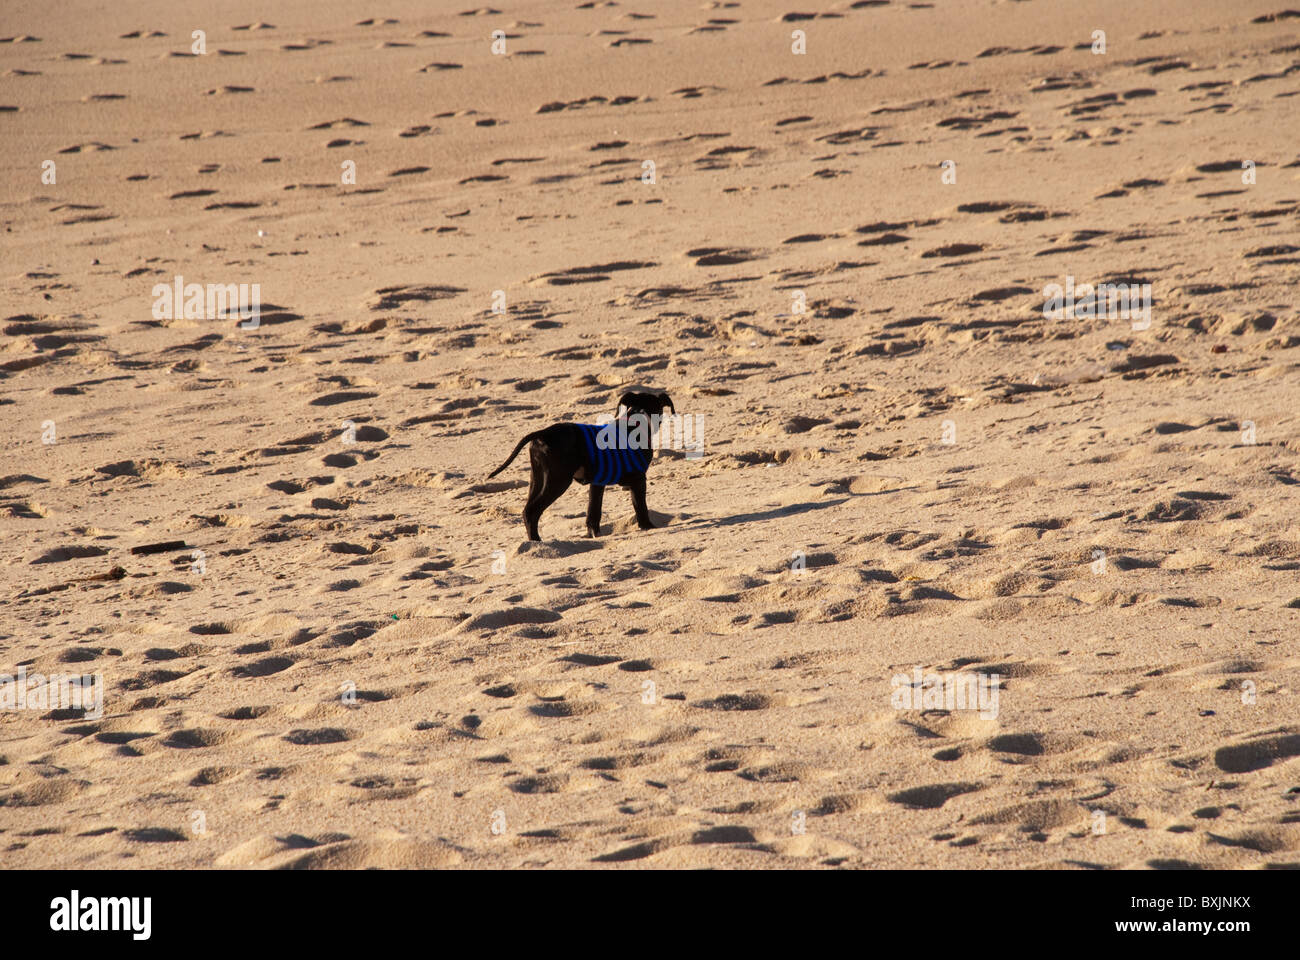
(543, 490)
(536, 481)
(594, 498)
(636, 484)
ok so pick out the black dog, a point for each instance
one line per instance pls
(615, 453)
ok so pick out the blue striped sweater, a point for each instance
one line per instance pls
(610, 462)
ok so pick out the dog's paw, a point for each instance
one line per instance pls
(657, 520)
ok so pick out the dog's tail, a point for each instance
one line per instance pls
(528, 439)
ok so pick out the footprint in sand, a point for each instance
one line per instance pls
(389, 298)
(933, 796)
(342, 122)
(319, 736)
(953, 250)
(590, 274)
(93, 145)
(722, 256)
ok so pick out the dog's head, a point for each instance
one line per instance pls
(650, 404)
(644, 410)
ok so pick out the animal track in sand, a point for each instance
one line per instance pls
(727, 834)
(198, 738)
(246, 713)
(1035, 815)
(343, 396)
(154, 835)
(693, 93)
(389, 298)
(570, 708)
(933, 796)
(722, 256)
(210, 776)
(319, 736)
(389, 851)
(953, 250)
(262, 668)
(1033, 744)
(619, 101)
(308, 44)
(590, 274)
(342, 122)
(1259, 752)
(743, 701)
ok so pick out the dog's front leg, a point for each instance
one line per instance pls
(594, 498)
(637, 486)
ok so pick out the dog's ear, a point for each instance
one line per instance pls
(667, 403)
(628, 400)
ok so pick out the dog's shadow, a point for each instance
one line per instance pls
(671, 521)
(555, 549)
(789, 510)
(776, 513)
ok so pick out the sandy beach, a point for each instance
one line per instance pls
(831, 233)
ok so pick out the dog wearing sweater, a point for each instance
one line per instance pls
(601, 456)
